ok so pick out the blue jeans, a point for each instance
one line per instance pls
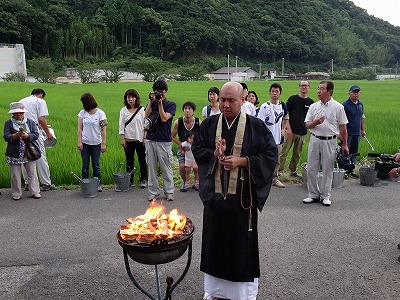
(91, 152)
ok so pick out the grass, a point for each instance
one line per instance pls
(380, 99)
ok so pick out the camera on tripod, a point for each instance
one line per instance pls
(385, 163)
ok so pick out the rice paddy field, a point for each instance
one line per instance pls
(381, 101)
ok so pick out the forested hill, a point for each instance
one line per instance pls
(301, 31)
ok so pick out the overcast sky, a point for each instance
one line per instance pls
(387, 10)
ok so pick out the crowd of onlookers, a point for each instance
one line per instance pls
(289, 122)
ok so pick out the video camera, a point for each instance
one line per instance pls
(384, 165)
(344, 161)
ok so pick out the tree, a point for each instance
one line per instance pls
(87, 73)
(42, 69)
(14, 76)
(150, 67)
(112, 71)
(191, 73)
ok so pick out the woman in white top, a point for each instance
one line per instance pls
(92, 124)
(133, 135)
(213, 107)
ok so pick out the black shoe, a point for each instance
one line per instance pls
(47, 187)
(294, 174)
(353, 175)
(350, 175)
(26, 188)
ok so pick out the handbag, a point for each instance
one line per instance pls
(32, 151)
(151, 122)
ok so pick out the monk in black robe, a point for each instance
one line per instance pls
(236, 155)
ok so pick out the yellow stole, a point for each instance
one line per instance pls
(237, 150)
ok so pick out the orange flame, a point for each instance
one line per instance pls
(153, 224)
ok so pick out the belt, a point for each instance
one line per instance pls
(324, 137)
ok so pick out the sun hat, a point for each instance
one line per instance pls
(17, 107)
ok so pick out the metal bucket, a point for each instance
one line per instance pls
(50, 143)
(338, 176)
(89, 187)
(122, 180)
(367, 175)
(304, 172)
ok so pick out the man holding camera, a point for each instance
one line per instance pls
(159, 142)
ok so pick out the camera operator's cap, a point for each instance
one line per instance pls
(354, 88)
(17, 107)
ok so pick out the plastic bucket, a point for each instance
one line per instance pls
(338, 178)
(367, 176)
(89, 187)
(50, 143)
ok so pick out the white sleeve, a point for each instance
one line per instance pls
(121, 122)
(204, 112)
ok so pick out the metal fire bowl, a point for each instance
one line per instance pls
(160, 251)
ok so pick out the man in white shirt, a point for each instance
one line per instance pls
(274, 114)
(37, 112)
(326, 120)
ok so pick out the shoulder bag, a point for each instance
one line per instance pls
(32, 151)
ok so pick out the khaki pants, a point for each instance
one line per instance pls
(297, 141)
(276, 171)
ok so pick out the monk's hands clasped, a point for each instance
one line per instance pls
(231, 162)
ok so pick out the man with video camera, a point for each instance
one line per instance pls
(159, 141)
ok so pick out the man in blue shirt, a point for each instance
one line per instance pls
(355, 128)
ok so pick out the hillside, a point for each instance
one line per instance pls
(306, 33)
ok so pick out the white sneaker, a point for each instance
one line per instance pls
(326, 202)
(310, 200)
(278, 184)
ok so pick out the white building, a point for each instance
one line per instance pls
(12, 59)
(235, 74)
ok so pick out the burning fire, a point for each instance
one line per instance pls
(153, 224)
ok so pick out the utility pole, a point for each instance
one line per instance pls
(283, 66)
(236, 64)
(259, 73)
(332, 65)
(229, 76)
(397, 65)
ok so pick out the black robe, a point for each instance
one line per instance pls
(229, 249)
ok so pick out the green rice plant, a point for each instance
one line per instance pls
(380, 99)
